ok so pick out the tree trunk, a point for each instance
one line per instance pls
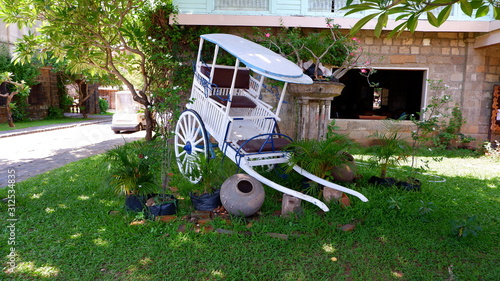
(9, 112)
(83, 95)
(149, 123)
(10, 120)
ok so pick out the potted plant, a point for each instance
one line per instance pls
(326, 159)
(325, 55)
(205, 194)
(130, 173)
(389, 150)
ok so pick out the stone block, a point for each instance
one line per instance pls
(402, 59)
(290, 204)
(492, 78)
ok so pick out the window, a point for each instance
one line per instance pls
(322, 6)
(398, 92)
(242, 5)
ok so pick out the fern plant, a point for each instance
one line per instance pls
(130, 169)
(391, 150)
(320, 157)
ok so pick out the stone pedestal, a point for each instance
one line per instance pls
(314, 103)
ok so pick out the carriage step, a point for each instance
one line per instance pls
(237, 102)
(263, 145)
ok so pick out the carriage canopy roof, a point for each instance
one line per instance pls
(259, 59)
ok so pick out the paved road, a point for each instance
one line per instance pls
(39, 150)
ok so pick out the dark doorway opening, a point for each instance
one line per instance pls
(399, 92)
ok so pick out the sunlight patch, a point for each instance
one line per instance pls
(100, 242)
(83, 197)
(397, 274)
(76, 235)
(62, 206)
(43, 271)
(217, 273)
(49, 210)
(328, 248)
(36, 195)
(106, 202)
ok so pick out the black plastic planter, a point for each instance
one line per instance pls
(134, 203)
(167, 206)
(414, 185)
(382, 181)
(206, 201)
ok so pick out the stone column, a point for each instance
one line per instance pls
(314, 107)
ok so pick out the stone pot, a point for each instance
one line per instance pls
(317, 90)
(242, 195)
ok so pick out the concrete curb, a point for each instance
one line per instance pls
(52, 128)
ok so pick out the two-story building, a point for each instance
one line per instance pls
(464, 53)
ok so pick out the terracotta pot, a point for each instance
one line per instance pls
(242, 195)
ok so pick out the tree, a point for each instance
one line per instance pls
(411, 10)
(19, 88)
(101, 37)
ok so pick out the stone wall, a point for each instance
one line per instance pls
(468, 73)
(48, 79)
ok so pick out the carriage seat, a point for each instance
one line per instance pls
(260, 145)
(224, 76)
(236, 102)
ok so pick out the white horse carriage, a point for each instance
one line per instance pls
(227, 111)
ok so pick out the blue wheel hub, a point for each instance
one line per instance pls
(188, 148)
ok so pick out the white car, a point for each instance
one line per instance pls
(127, 117)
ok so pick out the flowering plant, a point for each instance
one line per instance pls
(325, 55)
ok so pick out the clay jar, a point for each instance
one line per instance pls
(242, 195)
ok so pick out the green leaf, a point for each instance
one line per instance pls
(362, 22)
(398, 29)
(381, 23)
(359, 8)
(444, 14)
(482, 11)
(412, 23)
(476, 4)
(466, 7)
(431, 18)
(496, 13)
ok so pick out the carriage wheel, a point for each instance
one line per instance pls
(191, 139)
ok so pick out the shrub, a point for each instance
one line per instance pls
(103, 105)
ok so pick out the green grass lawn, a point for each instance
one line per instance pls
(63, 232)
(36, 123)
(29, 124)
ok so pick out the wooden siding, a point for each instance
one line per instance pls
(284, 8)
